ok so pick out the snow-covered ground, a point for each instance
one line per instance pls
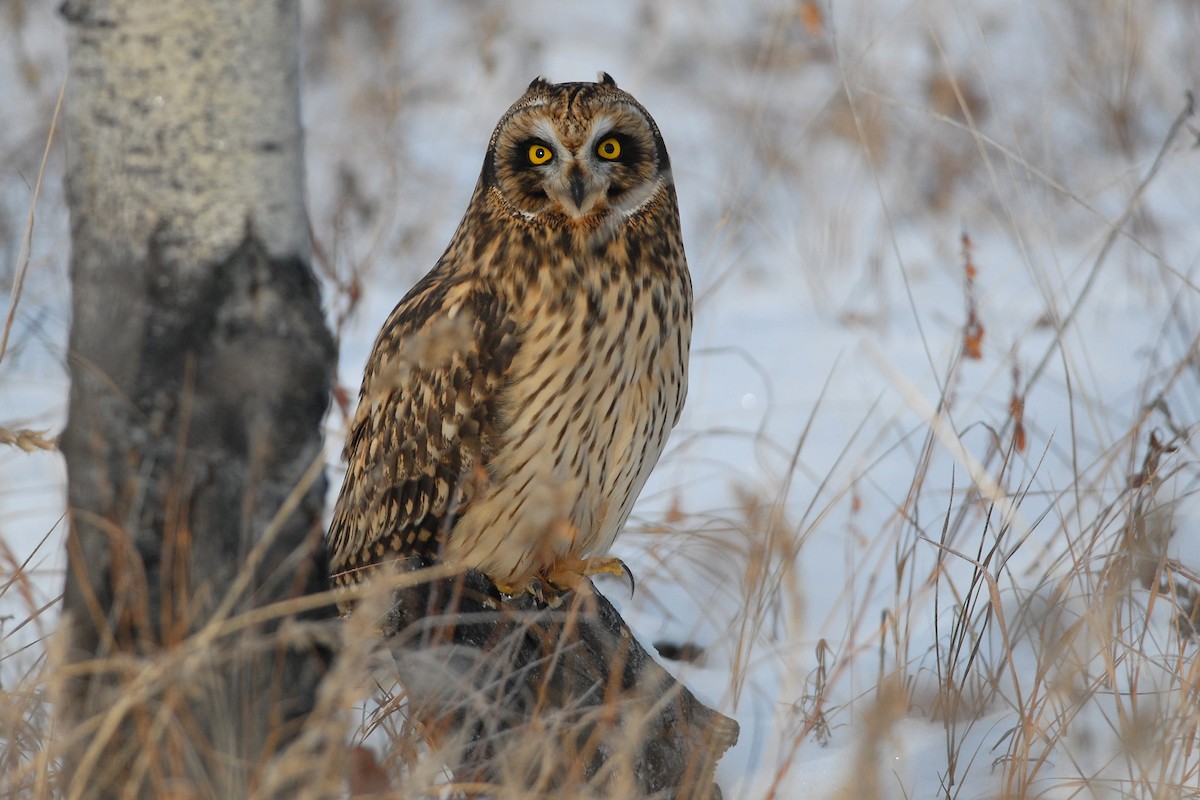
(843, 513)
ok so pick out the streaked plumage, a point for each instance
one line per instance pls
(518, 396)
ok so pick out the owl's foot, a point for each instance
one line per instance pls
(567, 573)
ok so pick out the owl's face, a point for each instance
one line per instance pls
(576, 154)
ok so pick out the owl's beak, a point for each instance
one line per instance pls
(578, 189)
(575, 190)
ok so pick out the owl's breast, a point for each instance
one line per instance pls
(592, 394)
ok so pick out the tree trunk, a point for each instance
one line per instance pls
(200, 370)
(528, 702)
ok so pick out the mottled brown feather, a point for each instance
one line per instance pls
(407, 474)
(518, 396)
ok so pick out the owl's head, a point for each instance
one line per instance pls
(576, 154)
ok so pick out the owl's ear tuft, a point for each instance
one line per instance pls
(537, 83)
(607, 80)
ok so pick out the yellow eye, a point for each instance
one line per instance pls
(539, 154)
(610, 148)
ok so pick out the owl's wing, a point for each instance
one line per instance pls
(425, 427)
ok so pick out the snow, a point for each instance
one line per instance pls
(826, 176)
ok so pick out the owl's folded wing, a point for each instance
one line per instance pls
(425, 427)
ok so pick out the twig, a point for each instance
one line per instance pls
(27, 239)
(1114, 231)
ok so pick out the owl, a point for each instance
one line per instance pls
(517, 398)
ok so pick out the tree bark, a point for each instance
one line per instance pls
(200, 369)
(528, 702)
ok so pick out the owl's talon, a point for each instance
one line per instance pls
(621, 570)
(535, 589)
(629, 575)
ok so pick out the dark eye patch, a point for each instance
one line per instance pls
(519, 160)
(630, 151)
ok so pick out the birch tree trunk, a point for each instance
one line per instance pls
(200, 371)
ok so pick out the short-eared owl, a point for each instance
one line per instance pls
(519, 395)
